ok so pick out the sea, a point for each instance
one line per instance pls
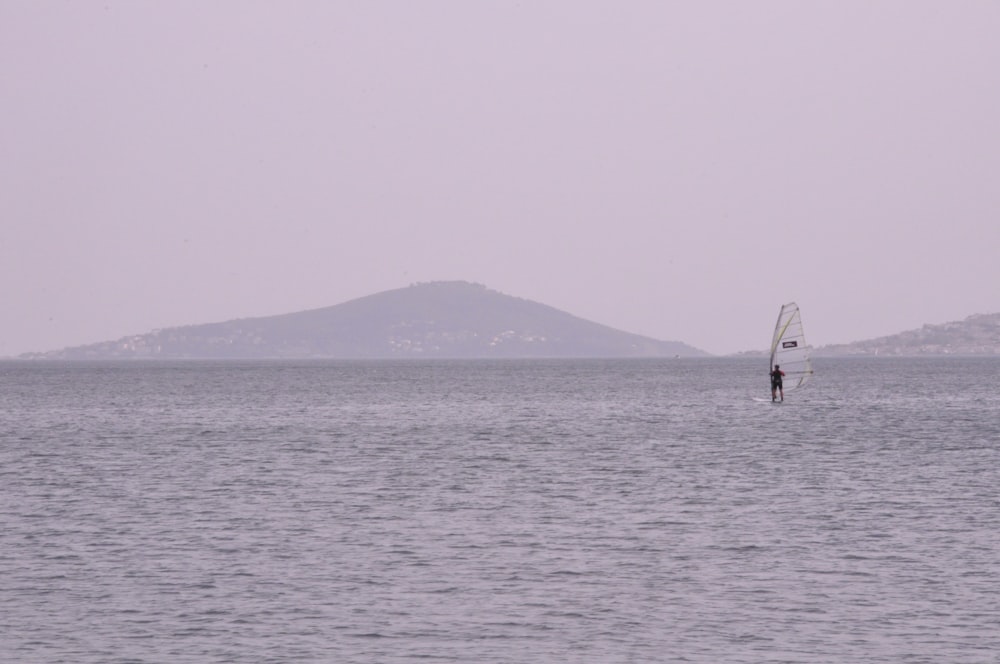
(499, 511)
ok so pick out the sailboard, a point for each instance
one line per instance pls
(789, 349)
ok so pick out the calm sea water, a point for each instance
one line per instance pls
(543, 511)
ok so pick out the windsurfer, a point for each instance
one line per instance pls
(776, 385)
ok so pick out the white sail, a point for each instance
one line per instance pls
(789, 349)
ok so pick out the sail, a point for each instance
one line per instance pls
(788, 348)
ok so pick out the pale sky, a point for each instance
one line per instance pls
(673, 169)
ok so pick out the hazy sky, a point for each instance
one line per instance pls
(675, 169)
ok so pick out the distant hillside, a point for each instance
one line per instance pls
(440, 319)
(976, 335)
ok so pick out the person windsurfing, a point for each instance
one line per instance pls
(776, 384)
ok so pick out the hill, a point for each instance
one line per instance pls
(976, 335)
(441, 319)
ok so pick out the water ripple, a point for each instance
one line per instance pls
(497, 512)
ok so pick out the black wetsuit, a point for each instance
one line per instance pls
(776, 379)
